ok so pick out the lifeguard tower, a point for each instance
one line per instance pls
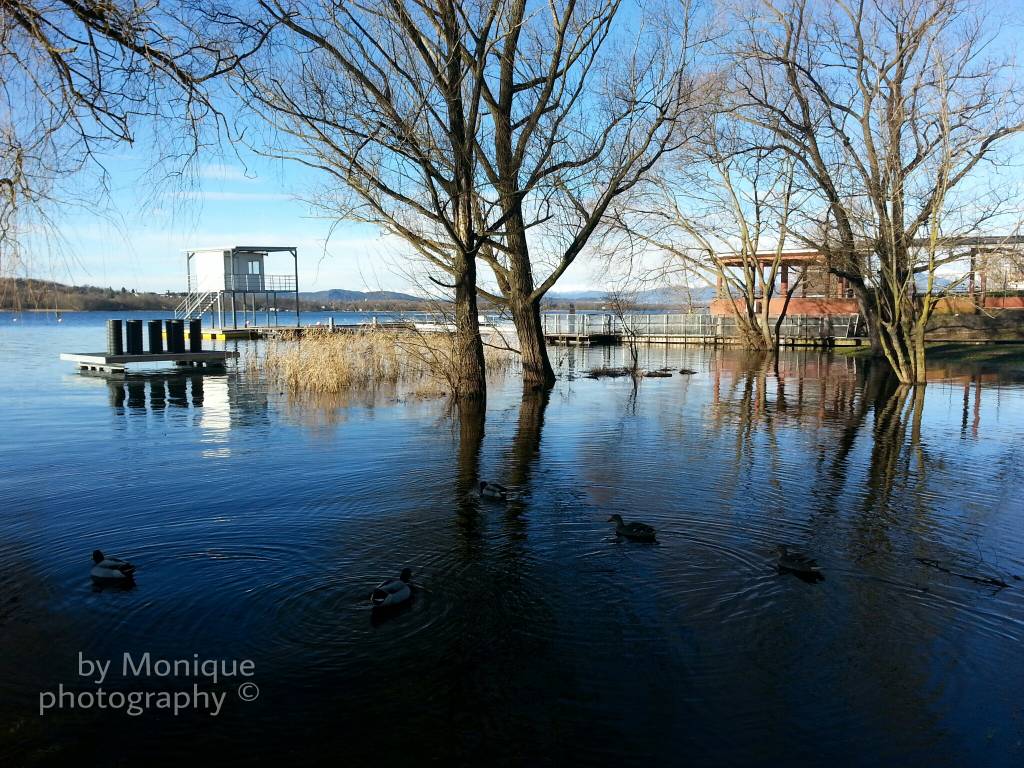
(227, 282)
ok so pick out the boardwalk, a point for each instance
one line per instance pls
(563, 328)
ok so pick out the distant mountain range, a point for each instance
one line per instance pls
(342, 295)
(671, 296)
(675, 295)
(44, 294)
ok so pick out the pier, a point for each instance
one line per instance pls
(125, 346)
(664, 328)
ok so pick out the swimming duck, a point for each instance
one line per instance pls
(494, 491)
(111, 568)
(797, 562)
(634, 531)
(393, 591)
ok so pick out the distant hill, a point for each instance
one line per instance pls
(29, 293)
(45, 294)
(576, 295)
(342, 295)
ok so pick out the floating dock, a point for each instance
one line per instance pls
(101, 361)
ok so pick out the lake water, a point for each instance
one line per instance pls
(260, 525)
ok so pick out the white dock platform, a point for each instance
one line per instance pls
(101, 361)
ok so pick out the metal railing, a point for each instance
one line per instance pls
(690, 326)
(194, 305)
(241, 281)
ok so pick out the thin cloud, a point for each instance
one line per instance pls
(222, 172)
(212, 196)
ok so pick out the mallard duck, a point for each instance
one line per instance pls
(494, 491)
(393, 591)
(634, 531)
(797, 562)
(111, 568)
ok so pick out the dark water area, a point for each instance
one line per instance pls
(260, 525)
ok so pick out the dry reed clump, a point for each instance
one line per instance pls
(331, 361)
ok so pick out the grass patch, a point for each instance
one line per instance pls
(325, 361)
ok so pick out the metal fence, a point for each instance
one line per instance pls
(691, 326)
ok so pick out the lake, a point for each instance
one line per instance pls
(260, 523)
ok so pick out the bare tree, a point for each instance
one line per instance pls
(621, 301)
(82, 76)
(719, 211)
(889, 110)
(378, 97)
(582, 97)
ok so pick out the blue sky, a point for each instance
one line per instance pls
(239, 198)
(235, 200)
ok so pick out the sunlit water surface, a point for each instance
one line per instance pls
(260, 525)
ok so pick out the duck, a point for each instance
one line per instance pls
(393, 591)
(634, 531)
(798, 563)
(111, 568)
(495, 491)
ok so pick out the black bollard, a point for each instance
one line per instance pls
(195, 335)
(115, 342)
(156, 338)
(175, 343)
(169, 333)
(133, 336)
(179, 336)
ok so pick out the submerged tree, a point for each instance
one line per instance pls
(888, 108)
(582, 97)
(378, 98)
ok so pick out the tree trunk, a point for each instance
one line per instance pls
(537, 370)
(468, 381)
(869, 309)
(920, 370)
